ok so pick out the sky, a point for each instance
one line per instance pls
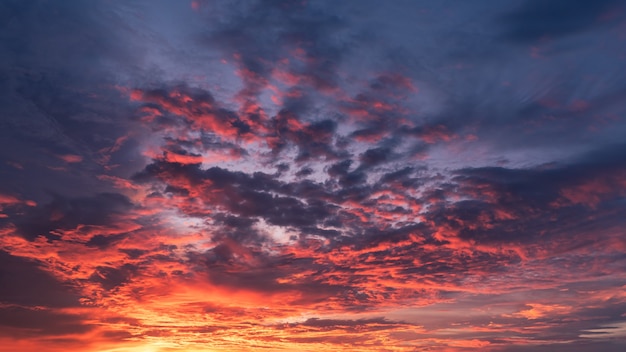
(312, 175)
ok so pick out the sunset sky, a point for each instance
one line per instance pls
(312, 175)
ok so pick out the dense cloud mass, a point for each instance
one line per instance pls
(312, 176)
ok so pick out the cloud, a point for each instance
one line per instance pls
(23, 281)
(510, 204)
(537, 20)
(319, 176)
(30, 322)
(67, 213)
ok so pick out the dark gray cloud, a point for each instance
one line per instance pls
(22, 282)
(522, 205)
(28, 323)
(111, 278)
(67, 213)
(536, 19)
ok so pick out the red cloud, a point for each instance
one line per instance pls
(70, 158)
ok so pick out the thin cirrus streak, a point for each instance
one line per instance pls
(312, 176)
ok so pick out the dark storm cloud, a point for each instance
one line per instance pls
(520, 205)
(538, 19)
(346, 178)
(375, 130)
(313, 140)
(111, 278)
(104, 241)
(351, 325)
(240, 193)
(29, 323)
(305, 171)
(234, 221)
(232, 265)
(23, 281)
(375, 156)
(65, 213)
(404, 177)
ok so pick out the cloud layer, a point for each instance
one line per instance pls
(312, 176)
